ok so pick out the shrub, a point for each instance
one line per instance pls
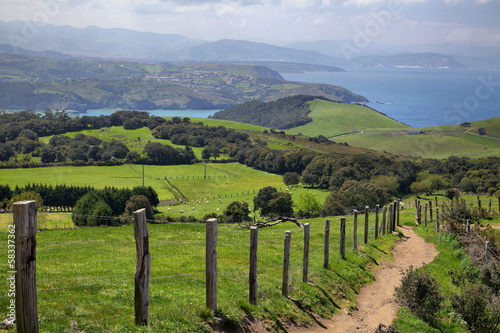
(419, 292)
(479, 308)
(236, 212)
(136, 202)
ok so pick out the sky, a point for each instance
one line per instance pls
(399, 22)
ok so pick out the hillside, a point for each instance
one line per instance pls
(40, 83)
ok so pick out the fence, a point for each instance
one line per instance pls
(87, 277)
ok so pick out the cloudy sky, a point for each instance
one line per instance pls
(278, 21)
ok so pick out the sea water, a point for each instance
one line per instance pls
(420, 97)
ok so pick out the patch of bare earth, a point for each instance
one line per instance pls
(376, 304)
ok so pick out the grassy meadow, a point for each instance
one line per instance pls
(333, 119)
(86, 276)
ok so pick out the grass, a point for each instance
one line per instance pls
(87, 275)
(425, 145)
(333, 119)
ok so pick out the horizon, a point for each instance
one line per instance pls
(401, 23)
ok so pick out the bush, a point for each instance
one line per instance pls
(137, 202)
(236, 212)
(479, 308)
(419, 292)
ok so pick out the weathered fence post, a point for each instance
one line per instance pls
(437, 219)
(391, 216)
(367, 212)
(430, 211)
(25, 224)
(425, 214)
(478, 202)
(142, 268)
(286, 264)
(254, 239)
(342, 237)
(398, 208)
(467, 227)
(487, 254)
(326, 251)
(384, 219)
(489, 206)
(355, 231)
(377, 208)
(305, 260)
(418, 220)
(211, 263)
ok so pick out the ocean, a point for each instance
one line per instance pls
(420, 97)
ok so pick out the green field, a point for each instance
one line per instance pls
(425, 145)
(87, 276)
(332, 119)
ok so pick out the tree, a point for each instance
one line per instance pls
(6, 152)
(271, 202)
(419, 187)
(132, 123)
(308, 205)
(291, 178)
(236, 212)
(27, 195)
(481, 131)
(84, 208)
(48, 155)
(137, 202)
(467, 185)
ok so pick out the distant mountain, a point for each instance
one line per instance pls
(227, 50)
(91, 41)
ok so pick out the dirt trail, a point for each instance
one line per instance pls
(376, 301)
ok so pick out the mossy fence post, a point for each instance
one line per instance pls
(286, 264)
(25, 225)
(326, 251)
(487, 252)
(211, 264)
(342, 237)
(305, 260)
(142, 268)
(254, 239)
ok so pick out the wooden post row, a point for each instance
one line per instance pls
(254, 239)
(366, 223)
(326, 251)
(342, 237)
(286, 264)
(211, 264)
(25, 225)
(305, 260)
(142, 268)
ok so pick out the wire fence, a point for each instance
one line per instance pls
(85, 276)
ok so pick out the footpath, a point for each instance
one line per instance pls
(376, 304)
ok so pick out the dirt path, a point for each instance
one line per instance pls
(376, 301)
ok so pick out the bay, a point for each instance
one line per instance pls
(420, 97)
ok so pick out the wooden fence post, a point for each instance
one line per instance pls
(355, 231)
(467, 227)
(398, 208)
(384, 219)
(286, 264)
(377, 208)
(142, 268)
(25, 225)
(211, 264)
(425, 214)
(391, 216)
(487, 254)
(418, 220)
(478, 202)
(342, 237)
(305, 260)
(430, 211)
(489, 206)
(367, 212)
(254, 239)
(326, 251)
(437, 219)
